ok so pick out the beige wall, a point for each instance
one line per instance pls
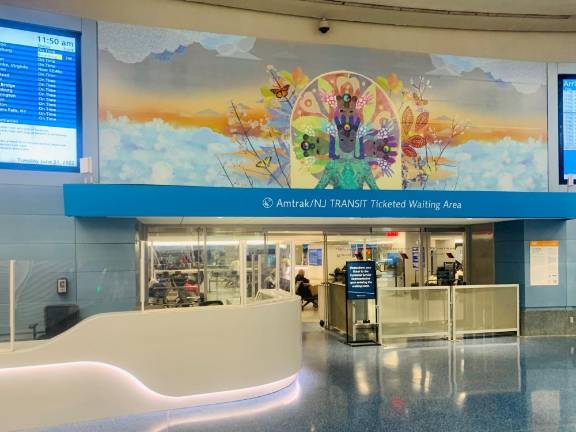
(553, 47)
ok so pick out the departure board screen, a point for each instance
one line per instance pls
(40, 98)
(567, 127)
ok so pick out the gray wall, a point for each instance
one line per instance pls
(480, 254)
(97, 256)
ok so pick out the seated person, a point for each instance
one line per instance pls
(191, 288)
(179, 279)
(303, 290)
(340, 274)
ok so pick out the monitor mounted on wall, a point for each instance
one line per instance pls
(40, 97)
(566, 127)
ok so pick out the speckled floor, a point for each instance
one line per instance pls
(493, 384)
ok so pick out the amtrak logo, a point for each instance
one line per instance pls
(267, 202)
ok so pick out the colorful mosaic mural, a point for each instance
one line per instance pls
(191, 108)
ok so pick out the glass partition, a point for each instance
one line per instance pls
(216, 267)
(284, 254)
(414, 312)
(260, 265)
(397, 256)
(445, 258)
(177, 271)
(48, 301)
(222, 266)
(485, 309)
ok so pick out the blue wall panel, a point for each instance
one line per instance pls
(512, 255)
(36, 229)
(106, 265)
(545, 296)
(60, 257)
(105, 257)
(107, 291)
(509, 254)
(571, 263)
(31, 200)
(104, 230)
(106, 286)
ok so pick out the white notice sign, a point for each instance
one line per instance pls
(544, 262)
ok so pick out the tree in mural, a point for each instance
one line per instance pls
(424, 142)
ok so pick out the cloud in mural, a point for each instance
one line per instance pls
(525, 162)
(526, 77)
(133, 44)
(157, 153)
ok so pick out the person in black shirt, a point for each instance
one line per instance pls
(303, 289)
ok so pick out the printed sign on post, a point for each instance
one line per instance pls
(544, 269)
(415, 257)
(360, 280)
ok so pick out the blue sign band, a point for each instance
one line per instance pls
(113, 200)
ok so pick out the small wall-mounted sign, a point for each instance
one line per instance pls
(62, 286)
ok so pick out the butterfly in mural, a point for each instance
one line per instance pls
(418, 100)
(281, 91)
(264, 163)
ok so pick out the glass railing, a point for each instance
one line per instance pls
(414, 312)
(447, 312)
(485, 309)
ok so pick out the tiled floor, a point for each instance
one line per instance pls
(497, 384)
(310, 315)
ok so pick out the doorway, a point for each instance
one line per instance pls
(231, 265)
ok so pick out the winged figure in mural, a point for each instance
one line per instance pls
(345, 133)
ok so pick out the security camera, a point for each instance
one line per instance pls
(323, 26)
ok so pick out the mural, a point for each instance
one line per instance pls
(344, 133)
(191, 108)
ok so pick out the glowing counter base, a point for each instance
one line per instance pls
(135, 362)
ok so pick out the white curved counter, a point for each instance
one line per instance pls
(133, 362)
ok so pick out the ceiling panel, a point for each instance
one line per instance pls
(499, 15)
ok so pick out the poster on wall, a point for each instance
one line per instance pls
(205, 109)
(544, 269)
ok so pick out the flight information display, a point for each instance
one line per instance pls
(567, 127)
(40, 98)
